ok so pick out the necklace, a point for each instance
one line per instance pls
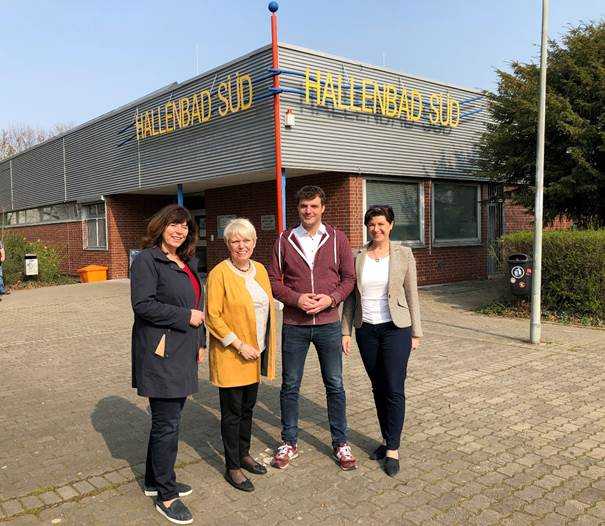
(377, 258)
(242, 269)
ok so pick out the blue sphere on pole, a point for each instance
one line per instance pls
(273, 6)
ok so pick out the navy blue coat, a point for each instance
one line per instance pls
(162, 298)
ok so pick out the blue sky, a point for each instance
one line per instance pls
(70, 61)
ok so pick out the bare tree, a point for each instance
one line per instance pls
(18, 137)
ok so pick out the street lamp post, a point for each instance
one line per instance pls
(535, 328)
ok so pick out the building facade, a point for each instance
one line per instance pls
(366, 134)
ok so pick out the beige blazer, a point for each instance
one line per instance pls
(403, 292)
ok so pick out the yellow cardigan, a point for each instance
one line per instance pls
(229, 308)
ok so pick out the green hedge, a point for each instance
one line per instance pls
(573, 269)
(16, 246)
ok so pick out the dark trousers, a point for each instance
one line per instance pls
(237, 405)
(163, 446)
(327, 339)
(385, 351)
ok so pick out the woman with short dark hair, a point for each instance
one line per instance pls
(385, 311)
(168, 341)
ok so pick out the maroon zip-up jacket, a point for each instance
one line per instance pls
(333, 274)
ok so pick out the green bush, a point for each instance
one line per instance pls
(573, 269)
(16, 246)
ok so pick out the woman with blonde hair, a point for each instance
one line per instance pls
(240, 318)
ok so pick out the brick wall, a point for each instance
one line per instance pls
(517, 217)
(343, 209)
(127, 217)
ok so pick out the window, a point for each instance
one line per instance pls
(406, 201)
(456, 213)
(95, 234)
(43, 214)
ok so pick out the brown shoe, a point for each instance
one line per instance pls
(345, 457)
(284, 454)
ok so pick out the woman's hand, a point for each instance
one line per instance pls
(346, 345)
(415, 343)
(248, 352)
(197, 318)
(201, 354)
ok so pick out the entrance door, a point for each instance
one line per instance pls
(495, 226)
(199, 216)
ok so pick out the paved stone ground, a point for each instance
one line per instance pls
(497, 431)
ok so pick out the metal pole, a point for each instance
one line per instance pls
(535, 328)
(280, 179)
(179, 194)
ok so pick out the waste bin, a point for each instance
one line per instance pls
(520, 273)
(91, 273)
(31, 265)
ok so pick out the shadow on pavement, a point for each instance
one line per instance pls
(125, 427)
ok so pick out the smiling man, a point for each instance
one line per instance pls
(312, 272)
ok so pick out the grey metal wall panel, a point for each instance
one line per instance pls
(38, 176)
(241, 142)
(5, 186)
(326, 139)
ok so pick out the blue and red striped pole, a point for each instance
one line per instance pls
(280, 178)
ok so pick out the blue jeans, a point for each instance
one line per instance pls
(327, 339)
(2, 289)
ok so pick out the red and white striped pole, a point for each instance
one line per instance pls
(280, 178)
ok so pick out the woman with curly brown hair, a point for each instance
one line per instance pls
(168, 340)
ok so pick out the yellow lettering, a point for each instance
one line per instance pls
(232, 108)
(161, 129)
(415, 106)
(381, 97)
(454, 109)
(246, 103)
(403, 104)
(206, 103)
(339, 103)
(366, 96)
(148, 130)
(168, 117)
(185, 114)
(434, 101)
(195, 109)
(352, 106)
(138, 123)
(312, 84)
(222, 94)
(329, 90)
(390, 96)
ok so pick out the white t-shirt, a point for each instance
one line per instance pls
(374, 291)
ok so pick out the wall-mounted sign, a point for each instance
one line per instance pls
(267, 223)
(221, 223)
(387, 99)
(233, 95)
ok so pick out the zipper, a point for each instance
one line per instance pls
(313, 284)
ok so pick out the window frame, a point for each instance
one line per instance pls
(24, 212)
(458, 241)
(417, 243)
(85, 219)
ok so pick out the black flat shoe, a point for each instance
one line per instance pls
(256, 469)
(379, 453)
(391, 466)
(178, 513)
(246, 485)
